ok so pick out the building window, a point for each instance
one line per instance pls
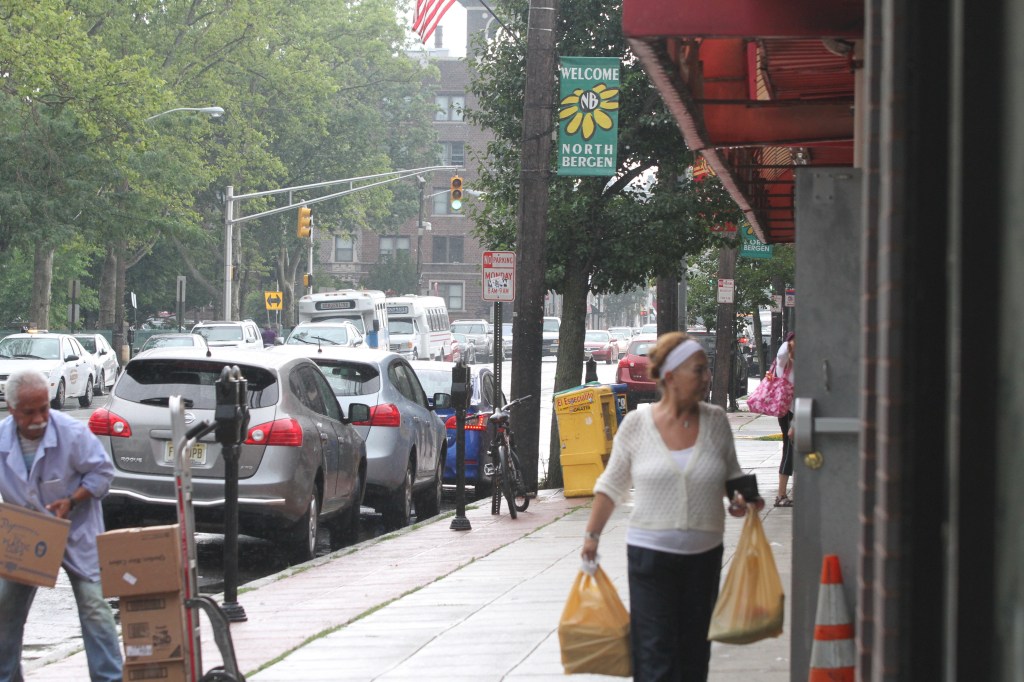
(447, 250)
(391, 246)
(453, 153)
(449, 107)
(451, 292)
(344, 249)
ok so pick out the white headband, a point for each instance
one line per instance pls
(680, 354)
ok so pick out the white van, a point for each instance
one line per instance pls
(365, 308)
(418, 326)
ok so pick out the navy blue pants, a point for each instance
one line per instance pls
(671, 598)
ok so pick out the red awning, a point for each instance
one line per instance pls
(756, 87)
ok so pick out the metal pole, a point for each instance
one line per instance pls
(312, 226)
(229, 214)
(460, 399)
(419, 237)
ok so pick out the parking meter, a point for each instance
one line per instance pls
(232, 418)
(460, 401)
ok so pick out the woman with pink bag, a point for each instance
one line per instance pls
(784, 365)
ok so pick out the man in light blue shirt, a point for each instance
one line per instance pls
(51, 462)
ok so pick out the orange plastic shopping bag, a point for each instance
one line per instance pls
(594, 629)
(750, 605)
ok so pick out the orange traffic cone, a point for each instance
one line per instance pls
(832, 654)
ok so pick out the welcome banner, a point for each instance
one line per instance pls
(588, 115)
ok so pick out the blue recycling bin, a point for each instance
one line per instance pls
(619, 391)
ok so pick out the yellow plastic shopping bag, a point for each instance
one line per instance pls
(750, 605)
(594, 629)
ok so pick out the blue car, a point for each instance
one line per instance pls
(436, 377)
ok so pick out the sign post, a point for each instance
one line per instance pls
(273, 299)
(726, 291)
(498, 284)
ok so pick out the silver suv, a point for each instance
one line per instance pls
(238, 334)
(483, 341)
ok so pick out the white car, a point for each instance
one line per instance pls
(237, 334)
(104, 359)
(333, 333)
(60, 357)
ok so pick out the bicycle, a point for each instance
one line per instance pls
(507, 476)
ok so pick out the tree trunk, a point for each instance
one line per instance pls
(668, 304)
(758, 340)
(118, 340)
(106, 292)
(42, 280)
(724, 333)
(569, 372)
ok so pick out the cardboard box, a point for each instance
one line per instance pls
(165, 671)
(153, 627)
(140, 561)
(31, 545)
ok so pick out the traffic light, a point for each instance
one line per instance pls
(305, 222)
(307, 279)
(456, 193)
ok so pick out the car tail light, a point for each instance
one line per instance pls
(384, 414)
(278, 432)
(103, 422)
(475, 422)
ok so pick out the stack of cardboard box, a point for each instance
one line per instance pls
(143, 567)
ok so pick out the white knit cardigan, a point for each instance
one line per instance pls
(665, 496)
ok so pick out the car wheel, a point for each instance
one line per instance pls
(62, 394)
(85, 400)
(345, 527)
(398, 506)
(302, 538)
(101, 384)
(428, 500)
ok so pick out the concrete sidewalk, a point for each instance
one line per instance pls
(484, 604)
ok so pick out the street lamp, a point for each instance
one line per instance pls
(214, 112)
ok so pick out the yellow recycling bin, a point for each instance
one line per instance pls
(586, 425)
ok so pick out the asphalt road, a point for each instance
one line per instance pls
(53, 631)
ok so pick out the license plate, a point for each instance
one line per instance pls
(197, 453)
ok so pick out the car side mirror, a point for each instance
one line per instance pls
(442, 401)
(71, 358)
(358, 412)
(279, 341)
(102, 352)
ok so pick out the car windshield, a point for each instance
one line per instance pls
(29, 347)
(88, 343)
(551, 325)
(401, 326)
(220, 333)
(332, 336)
(597, 336)
(350, 378)
(149, 382)
(468, 328)
(640, 347)
(168, 342)
(435, 380)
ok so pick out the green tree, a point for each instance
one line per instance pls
(606, 235)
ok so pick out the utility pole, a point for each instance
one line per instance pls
(725, 334)
(531, 264)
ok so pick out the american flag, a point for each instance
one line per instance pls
(428, 14)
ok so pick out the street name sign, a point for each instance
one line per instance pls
(499, 276)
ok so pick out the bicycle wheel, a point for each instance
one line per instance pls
(507, 480)
(515, 472)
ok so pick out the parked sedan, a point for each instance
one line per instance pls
(437, 379)
(67, 366)
(599, 345)
(467, 348)
(405, 440)
(104, 360)
(301, 463)
(335, 333)
(632, 371)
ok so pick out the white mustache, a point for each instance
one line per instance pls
(37, 427)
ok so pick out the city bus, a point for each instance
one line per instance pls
(418, 327)
(365, 308)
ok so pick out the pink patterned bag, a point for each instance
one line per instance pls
(773, 396)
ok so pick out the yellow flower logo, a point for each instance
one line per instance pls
(585, 110)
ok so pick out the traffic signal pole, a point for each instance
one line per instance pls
(230, 202)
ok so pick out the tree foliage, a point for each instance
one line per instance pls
(313, 90)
